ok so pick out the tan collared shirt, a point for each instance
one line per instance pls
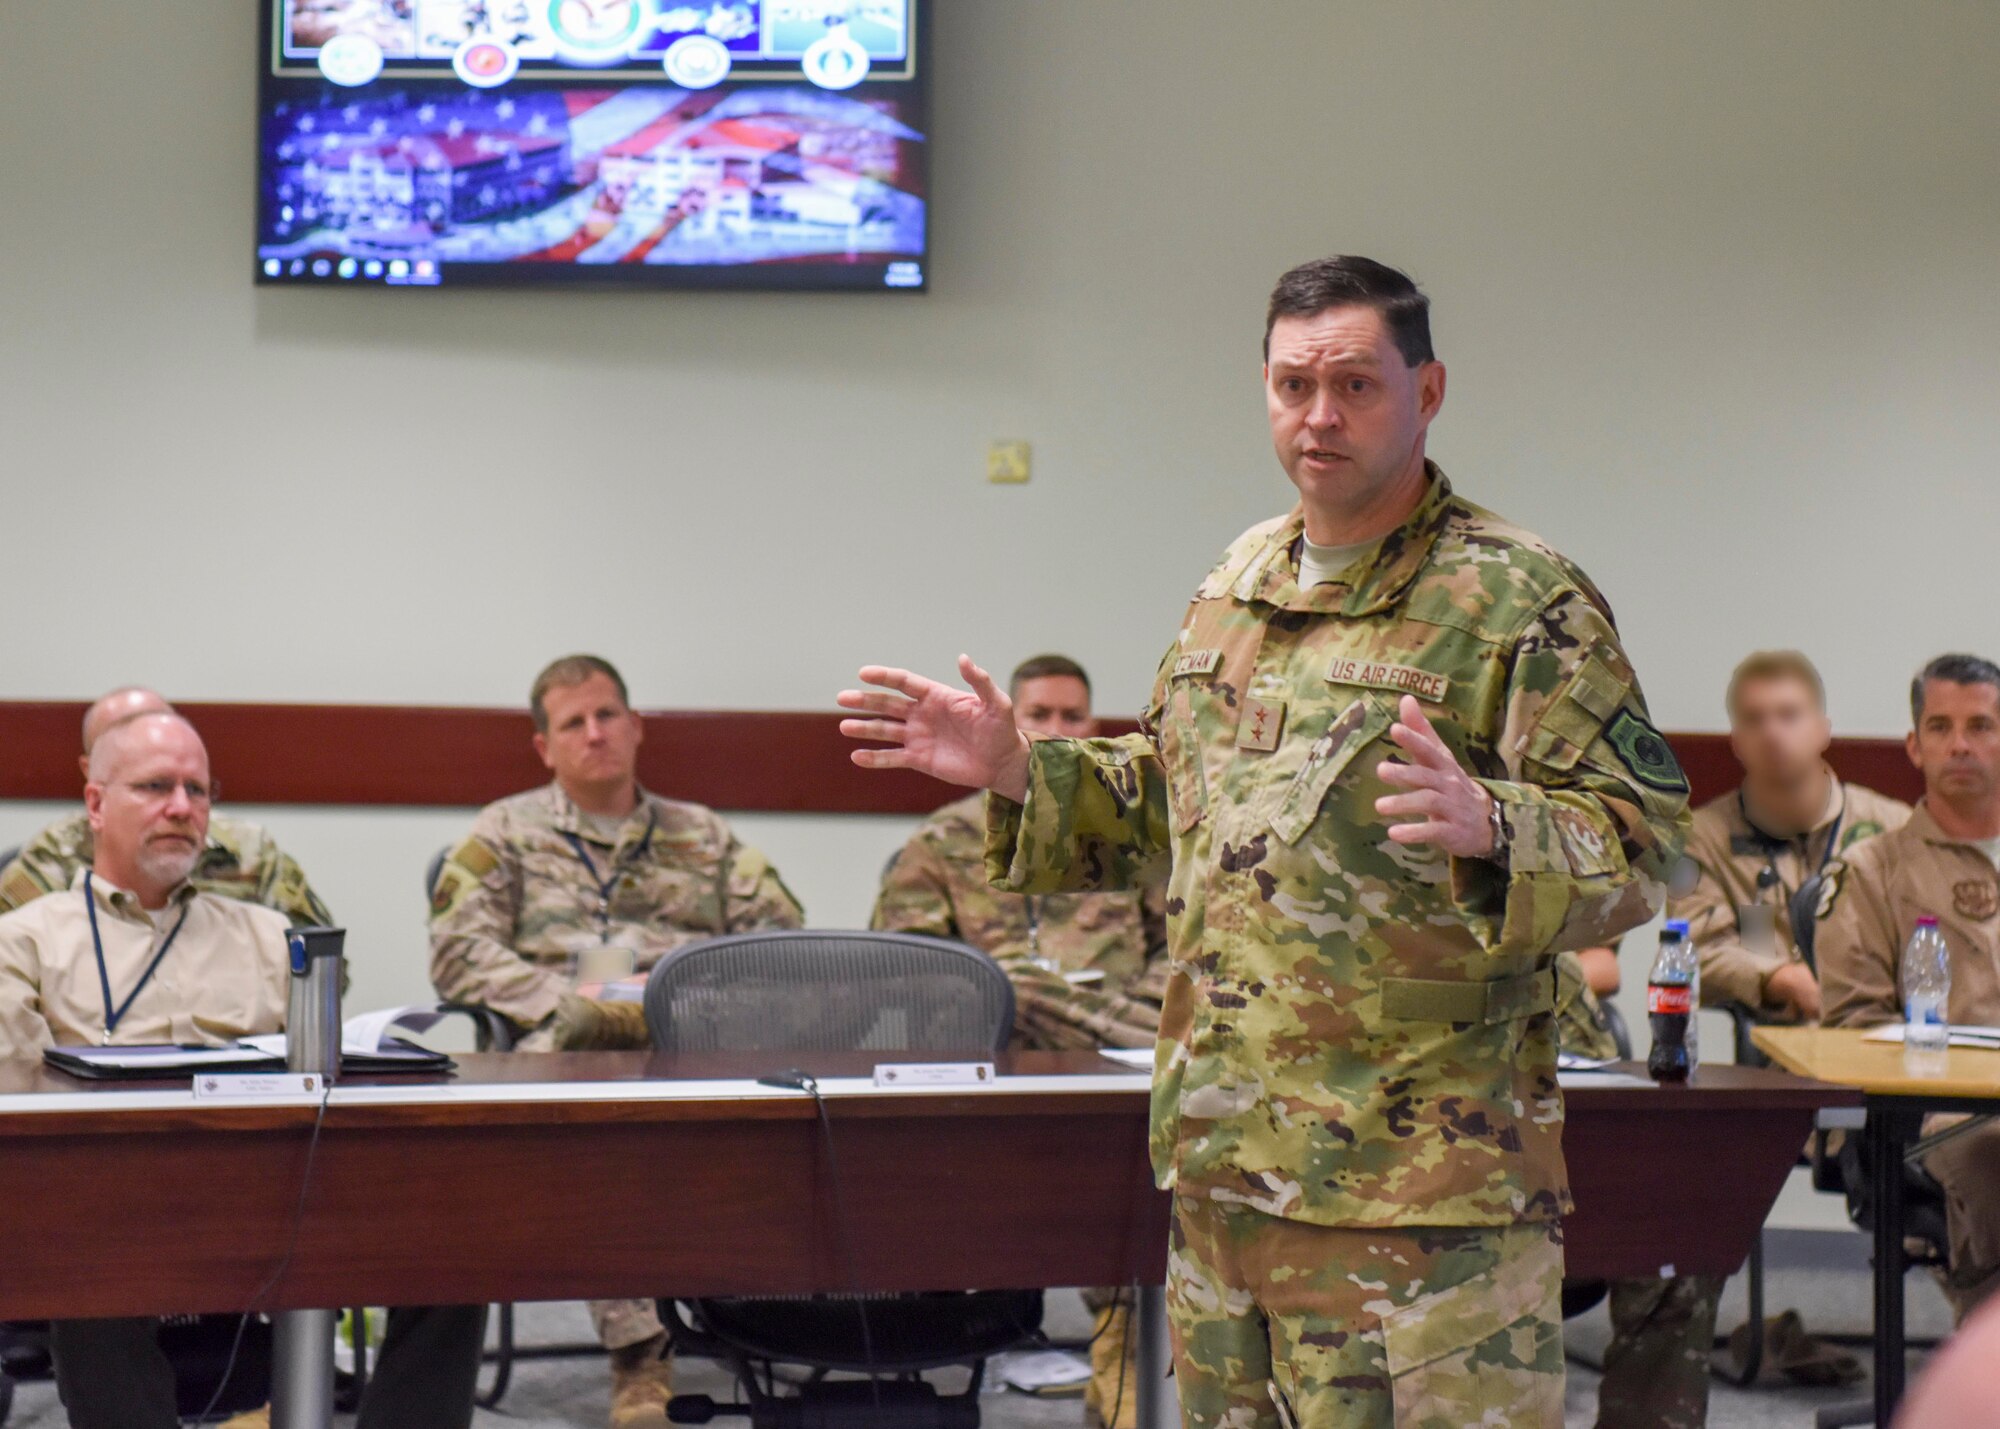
(1884, 887)
(224, 976)
(1740, 927)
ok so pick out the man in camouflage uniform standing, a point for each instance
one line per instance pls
(1070, 956)
(1400, 761)
(240, 859)
(592, 877)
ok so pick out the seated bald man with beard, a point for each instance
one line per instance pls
(133, 953)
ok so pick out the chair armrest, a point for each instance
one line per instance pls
(491, 1032)
(1743, 1020)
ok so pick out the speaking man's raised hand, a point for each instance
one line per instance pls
(960, 736)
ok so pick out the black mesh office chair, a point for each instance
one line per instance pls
(801, 992)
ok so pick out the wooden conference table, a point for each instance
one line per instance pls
(1897, 1102)
(600, 1175)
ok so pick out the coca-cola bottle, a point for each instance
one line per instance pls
(1671, 992)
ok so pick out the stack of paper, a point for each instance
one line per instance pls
(1045, 1372)
(1963, 1034)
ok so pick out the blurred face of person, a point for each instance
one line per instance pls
(1054, 705)
(592, 741)
(148, 799)
(1957, 746)
(1778, 731)
(1348, 420)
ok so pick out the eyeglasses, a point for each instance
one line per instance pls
(158, 791)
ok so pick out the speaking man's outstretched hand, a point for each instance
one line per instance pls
(960, 736)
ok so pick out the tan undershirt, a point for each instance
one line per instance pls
(1326, 565)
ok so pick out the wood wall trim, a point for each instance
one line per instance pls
(790, 761)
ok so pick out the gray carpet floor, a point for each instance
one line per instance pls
(1822, 1275)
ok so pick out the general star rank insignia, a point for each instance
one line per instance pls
(1263, 721)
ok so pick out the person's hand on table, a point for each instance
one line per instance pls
(962, 737)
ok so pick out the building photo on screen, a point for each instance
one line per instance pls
(777, 144)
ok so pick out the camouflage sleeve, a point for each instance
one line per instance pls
(1730, 971)
(1054, 1014)
(755, 897)
(37, 869)
(915, 896)
(1856, 947)
(284, 888)
(474, 910)
(1595, 803)
(1095, 820)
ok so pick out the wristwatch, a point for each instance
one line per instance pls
(1502, 835)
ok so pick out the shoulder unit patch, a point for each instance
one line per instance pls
(1646, 753)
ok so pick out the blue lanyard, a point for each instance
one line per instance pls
(610, 881)
(113, 1018)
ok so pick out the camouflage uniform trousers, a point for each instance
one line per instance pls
(1283, 1324)
(1656, 1367)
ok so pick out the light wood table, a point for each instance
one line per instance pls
(1897, 1101)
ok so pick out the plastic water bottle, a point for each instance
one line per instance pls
(1926, 998)
(1673, 992)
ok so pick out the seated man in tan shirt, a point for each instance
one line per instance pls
(1942, 864)
(239, 860)
(1755, 846)
(134, 953)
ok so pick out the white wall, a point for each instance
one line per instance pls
(1716, 284)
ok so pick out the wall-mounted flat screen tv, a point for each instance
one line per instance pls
(771, 144)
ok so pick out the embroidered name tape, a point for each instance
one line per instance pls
(1403, 679)
(1195, 662)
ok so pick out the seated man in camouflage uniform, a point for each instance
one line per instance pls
(1071, 956)
(240, 860)
(592, 867)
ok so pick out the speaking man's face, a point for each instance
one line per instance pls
(1347, 412)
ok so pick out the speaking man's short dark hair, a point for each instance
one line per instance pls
(1345, 281)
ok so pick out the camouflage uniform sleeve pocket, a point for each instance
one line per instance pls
(1488, 1350)
(1576, 717)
